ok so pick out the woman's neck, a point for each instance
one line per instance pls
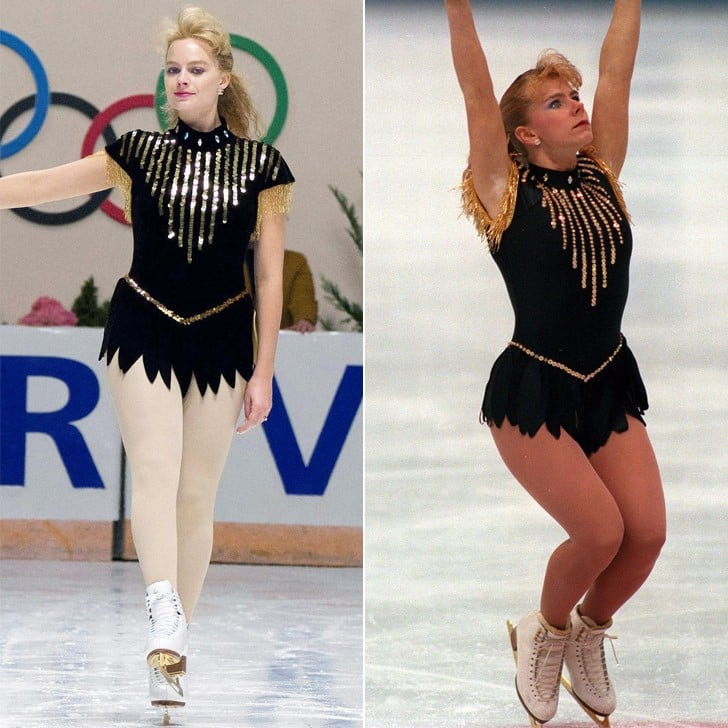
(205, 124)
(561, 162)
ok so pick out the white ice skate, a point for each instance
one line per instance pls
(538, 649)
(589, 682)
(167, 641)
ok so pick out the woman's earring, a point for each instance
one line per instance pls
(537, 142)
(219, 93)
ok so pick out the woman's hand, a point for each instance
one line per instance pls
(304, 326)
(257, 402)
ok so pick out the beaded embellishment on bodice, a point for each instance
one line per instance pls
(588, 218)
(196, 177)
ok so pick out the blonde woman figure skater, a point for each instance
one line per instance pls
(565, 401)
(179, 338)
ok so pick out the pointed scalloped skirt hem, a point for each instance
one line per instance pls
(210, 351)
(532, 393)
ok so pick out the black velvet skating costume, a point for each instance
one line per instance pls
(563, 245)
(195, 199)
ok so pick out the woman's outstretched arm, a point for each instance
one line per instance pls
(489, 158)
(82, 177)
(610, 116)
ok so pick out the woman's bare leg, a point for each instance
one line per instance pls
(627, 466)
(559, 476)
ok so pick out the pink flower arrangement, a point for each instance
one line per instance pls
(47, 311)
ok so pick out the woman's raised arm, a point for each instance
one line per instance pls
(489, 158)
(610, 116)
(82, 177)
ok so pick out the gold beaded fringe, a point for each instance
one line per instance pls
(117, 177)
(568, 370)
(184, 320)
(487, 227)
(272, 201)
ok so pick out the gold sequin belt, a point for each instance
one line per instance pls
(184, 320)
(569, 370)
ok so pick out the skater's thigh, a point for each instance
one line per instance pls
(209, 427)
(628, 467)
(560, 478)
(149, 416)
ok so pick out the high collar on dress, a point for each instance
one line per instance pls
(188, 137)
(555, 178)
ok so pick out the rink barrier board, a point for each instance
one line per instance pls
(234, 543)
(56, 540)
(277, 544)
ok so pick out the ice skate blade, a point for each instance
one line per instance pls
(166, 718)
(602, 720)
(512, 635)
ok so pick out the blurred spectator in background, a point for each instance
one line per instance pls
(300, 309)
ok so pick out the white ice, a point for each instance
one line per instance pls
(269, 647)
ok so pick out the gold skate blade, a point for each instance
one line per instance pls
(598, 718)
(165, 716)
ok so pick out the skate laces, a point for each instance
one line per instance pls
(547, 662)
(165, 613)
(594, 660)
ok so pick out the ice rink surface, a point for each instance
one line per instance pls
(270, 647)
(453, 546)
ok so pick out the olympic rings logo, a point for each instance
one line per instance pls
(44, 98)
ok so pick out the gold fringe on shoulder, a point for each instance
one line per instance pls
(119, 178)
(487, 227)
(593, 154)
(272, 201)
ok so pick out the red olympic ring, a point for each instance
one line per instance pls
(95, 130)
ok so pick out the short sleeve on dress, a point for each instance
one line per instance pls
(276, 189)
(118, 171)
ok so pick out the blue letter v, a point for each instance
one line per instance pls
(312, 479)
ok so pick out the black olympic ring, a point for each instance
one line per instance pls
(95, 200)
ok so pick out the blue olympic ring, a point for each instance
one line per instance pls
(42, 97)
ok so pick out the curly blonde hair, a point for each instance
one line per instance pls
(516, 101)
(235, 105)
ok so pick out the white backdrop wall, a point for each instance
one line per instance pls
(106, 50)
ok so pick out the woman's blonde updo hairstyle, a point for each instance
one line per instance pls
(516, 102)
(235, 104)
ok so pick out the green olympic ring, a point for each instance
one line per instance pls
(274, 71)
